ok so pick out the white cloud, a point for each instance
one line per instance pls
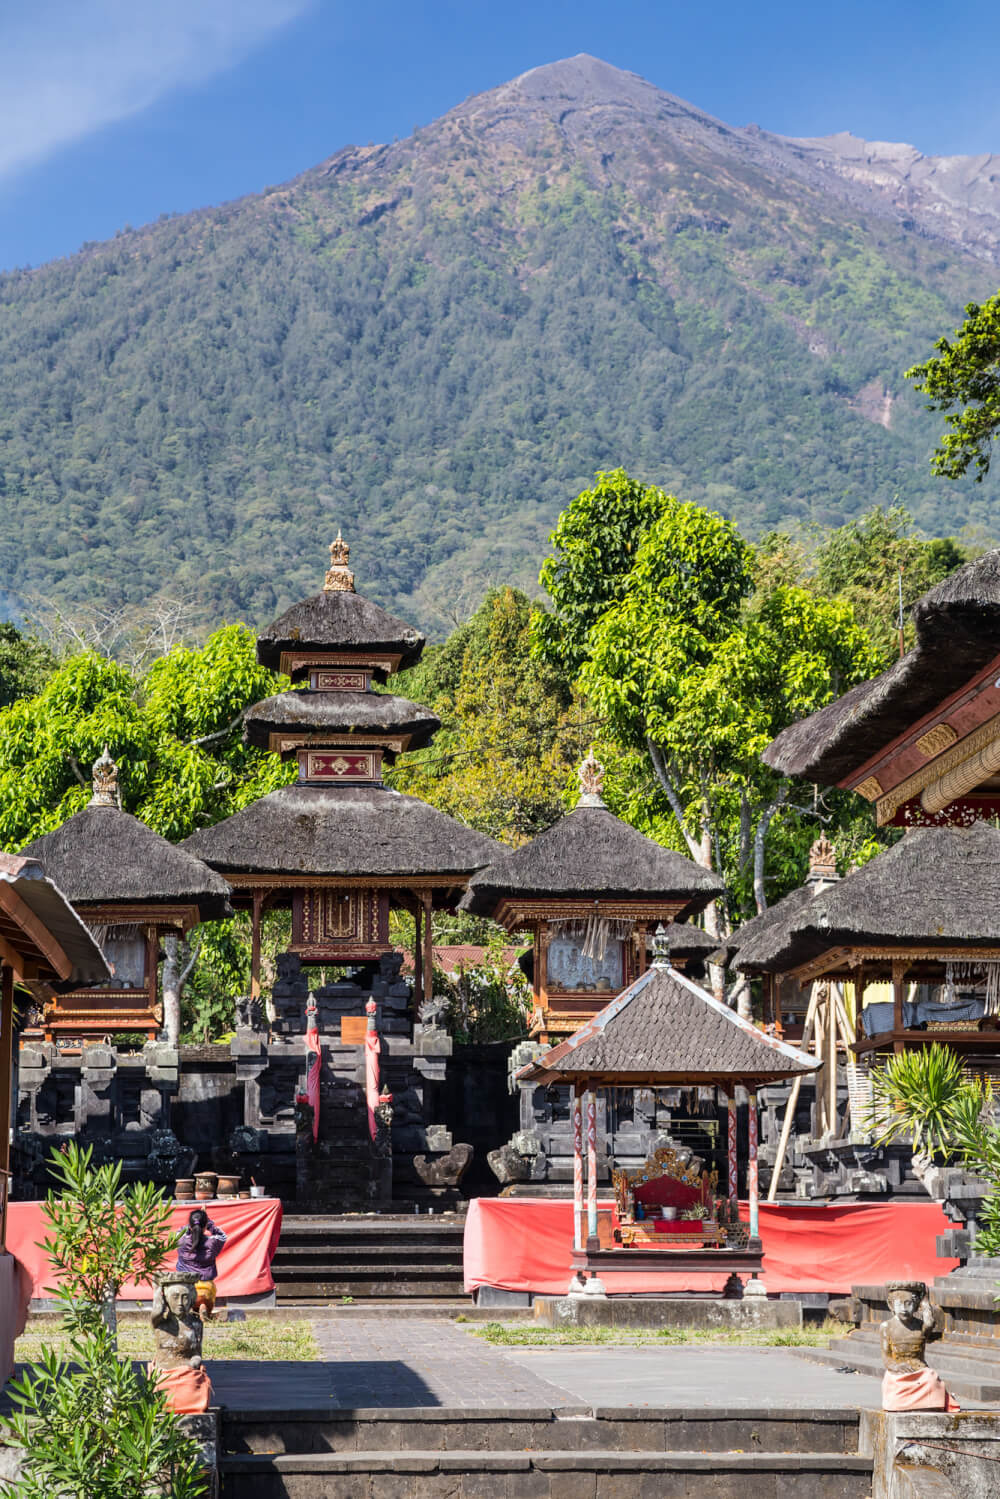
(67, 67)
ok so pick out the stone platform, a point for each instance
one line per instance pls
(410, 1409)
(711, 1313)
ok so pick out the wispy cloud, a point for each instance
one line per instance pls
(68, 67)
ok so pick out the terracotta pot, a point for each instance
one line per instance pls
(205, 1179)
(203, 1194)
(244, 1193)
(184, 1186)
(228, 1186)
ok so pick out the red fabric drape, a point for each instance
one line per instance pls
(522, 1244)
(251, 1228)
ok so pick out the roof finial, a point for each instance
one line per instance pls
(105, 773)
(591, 782)
(339, 578)
(822, 860)
(661, 948)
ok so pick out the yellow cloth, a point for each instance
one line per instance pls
(204, 1293)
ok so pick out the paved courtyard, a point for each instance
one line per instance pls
(381, 1362)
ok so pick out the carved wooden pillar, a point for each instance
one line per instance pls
(752, 1177)
(577, 1101)
(591, 1164)
(428, 899)
(732, 1161)
(898, 970)
(6, 1067)
(418, 956)
(258, 906)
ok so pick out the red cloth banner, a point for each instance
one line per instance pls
(251, 1228)
(524, 1244)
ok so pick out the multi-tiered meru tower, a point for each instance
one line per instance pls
(340, 850)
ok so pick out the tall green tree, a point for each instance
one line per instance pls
(965, 373)
(509, 737)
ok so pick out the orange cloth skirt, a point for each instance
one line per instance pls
(188, 1391)
(919, 1390)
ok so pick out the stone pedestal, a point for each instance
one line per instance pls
(931, 1454)
(707, 1313)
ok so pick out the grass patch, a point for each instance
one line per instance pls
(526, 1335)
(256, 1338)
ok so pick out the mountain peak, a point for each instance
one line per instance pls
(584, 79)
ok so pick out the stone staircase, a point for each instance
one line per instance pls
(567, 1453)
(367, 1257)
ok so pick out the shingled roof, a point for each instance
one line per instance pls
(342, 830)
(939, 887)
(338, 621)
(666, 1029)
(590, 852)
(376, 713)
(958, 633)
(103, 856)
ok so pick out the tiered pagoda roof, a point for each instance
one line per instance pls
(591, 853)
(957, 634)
(342, 830)
(369, 714)
(339, 820)
(936, 889)
(104, 856)
(666, 1030)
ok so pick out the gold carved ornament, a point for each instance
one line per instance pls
(339, 578)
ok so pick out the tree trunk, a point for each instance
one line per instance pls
(177, 966)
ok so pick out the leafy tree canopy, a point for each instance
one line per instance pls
(965, 373)
(508, 738)
(25, 663)
(174, 731)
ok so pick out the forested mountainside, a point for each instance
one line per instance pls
(435, 343)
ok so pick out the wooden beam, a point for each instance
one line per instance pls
(257, 909)
(898, 971)
(34, 928)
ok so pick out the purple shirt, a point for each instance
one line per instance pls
(199, 1259)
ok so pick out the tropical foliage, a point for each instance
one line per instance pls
(93, 1425)
(965, 373)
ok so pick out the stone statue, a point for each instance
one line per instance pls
(908, 1383)
(178, 1331)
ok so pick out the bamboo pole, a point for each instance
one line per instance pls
(793, 1099)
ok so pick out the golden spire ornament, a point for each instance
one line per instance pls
(105, 782)
(591, 782)
(339, 578)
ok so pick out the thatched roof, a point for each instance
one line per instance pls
(592, 853)
(665, 1029)
(103, 856)
(958, 633)
(342, 830)
(338, 621)
(375, 713)
(770, 927)
(937, 887)
(684, 940)
(47, 905)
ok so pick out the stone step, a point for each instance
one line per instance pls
(500, 1429)
(325, 1289)
(375, 1225)
(416, 1250)
(545, 1475)
(968, 1376)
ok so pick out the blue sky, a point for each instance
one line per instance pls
(115, 111)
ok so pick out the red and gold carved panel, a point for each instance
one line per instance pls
(338, 925)
(340, 679)
(340, 766)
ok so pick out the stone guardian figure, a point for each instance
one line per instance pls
(908, 1384)
(178, 1332)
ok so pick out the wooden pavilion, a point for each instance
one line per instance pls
(338, 847)
(590, 890)
(666, 1031)
(921, 742)
(129, 886)
(924, 917)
